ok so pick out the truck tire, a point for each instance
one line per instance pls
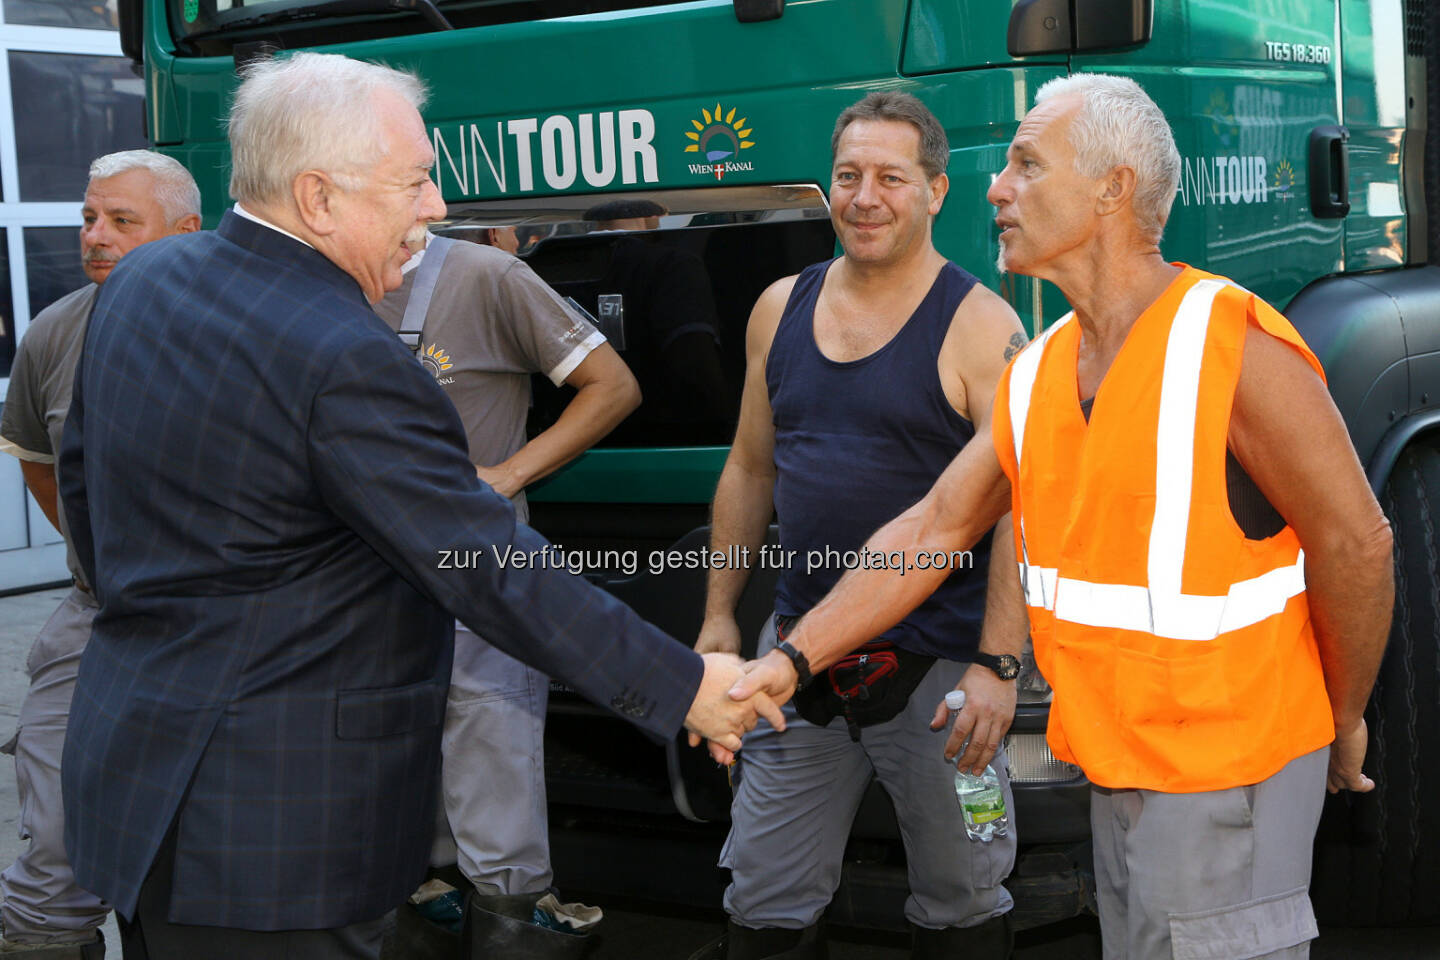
(1377, 855)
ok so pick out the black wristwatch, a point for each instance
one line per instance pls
(1005, 666)
(802, 666)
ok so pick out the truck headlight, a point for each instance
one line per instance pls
(1032, 762)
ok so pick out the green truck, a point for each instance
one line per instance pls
(1310, 143)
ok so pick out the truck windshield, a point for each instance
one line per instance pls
(195, 21)
(669, 277)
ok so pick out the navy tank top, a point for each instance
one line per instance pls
(856, 444)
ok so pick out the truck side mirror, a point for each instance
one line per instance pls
(131, 15)
(754, 11)
(1074, 26)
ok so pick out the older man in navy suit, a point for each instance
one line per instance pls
(263, 484)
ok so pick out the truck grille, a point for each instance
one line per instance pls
(1415, 27)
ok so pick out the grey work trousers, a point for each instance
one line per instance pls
(797, 796)
(492, 820)
(40, 899)
(1218, 875)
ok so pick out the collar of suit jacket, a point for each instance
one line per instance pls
(273, 244)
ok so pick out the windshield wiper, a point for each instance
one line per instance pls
(333, 8)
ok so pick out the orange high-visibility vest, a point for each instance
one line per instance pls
(1181, 654)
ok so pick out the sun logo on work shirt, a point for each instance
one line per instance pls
(435, 359)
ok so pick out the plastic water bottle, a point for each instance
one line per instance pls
(982, 802)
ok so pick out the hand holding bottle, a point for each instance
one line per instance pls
(982, 801)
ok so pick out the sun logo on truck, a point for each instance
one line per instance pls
(1284, 178)
(719, 139)
(435, 359)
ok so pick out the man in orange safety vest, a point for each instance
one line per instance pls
(1205, 569)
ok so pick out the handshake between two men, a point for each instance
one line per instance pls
(734, 694)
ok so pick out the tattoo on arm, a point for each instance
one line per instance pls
(1017, 342)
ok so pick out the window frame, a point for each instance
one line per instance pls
(17, 215)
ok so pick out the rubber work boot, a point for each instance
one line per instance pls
(991, 940)
(416, 938)
(767, 943)
(502, 928)
(70, 950)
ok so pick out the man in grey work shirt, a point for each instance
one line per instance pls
(133, 197)
(482, 322)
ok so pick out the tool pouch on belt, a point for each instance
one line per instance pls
(869, 686)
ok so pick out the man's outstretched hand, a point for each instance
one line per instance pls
(767, 682)
(721, 717)
(772, 675)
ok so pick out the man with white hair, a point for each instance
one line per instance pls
(276, 508)
(1206, 572)
(133, 197)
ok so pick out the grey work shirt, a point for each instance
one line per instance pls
(40, 381)
(492, 323)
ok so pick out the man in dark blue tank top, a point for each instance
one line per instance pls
(866, 376)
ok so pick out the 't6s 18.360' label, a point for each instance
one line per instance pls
(1296, 52)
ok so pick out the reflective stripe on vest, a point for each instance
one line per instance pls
(1037, 582)
(1159, 608)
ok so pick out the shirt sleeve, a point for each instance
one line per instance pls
(549, 334)
(23, 430)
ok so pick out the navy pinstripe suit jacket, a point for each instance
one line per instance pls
(259, 479)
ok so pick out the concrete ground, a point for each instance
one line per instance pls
(637, 929)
